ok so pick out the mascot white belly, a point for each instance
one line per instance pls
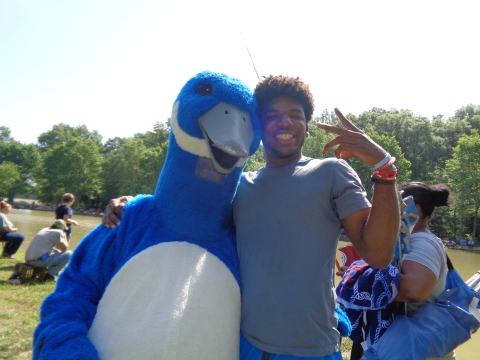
(174, 300)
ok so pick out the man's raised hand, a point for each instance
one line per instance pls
(352, 142)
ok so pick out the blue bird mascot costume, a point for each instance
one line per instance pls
(165, 283)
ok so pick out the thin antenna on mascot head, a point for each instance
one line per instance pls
(258, 77)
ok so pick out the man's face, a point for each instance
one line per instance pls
(284, 129)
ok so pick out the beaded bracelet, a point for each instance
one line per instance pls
(381, 181)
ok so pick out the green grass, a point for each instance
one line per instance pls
(19, 309)
(345, 348)
(19, 313)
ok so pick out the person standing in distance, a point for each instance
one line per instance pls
(65, 213)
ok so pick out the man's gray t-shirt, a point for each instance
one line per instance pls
(44, 242)
(288, 223)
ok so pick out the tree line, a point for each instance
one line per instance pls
(75, 160)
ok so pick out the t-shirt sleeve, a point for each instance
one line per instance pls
(427, 251)
(59, 237)
(348, 193)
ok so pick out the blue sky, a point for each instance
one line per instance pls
(117, 66)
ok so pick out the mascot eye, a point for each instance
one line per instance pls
(205, 90)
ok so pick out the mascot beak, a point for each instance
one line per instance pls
(229, 133)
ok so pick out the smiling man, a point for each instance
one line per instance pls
(288, 218)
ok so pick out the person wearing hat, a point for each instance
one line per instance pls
(49, 249)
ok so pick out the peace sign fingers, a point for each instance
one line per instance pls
(352, 142)
(347, 123)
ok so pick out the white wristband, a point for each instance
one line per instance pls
(381, 163)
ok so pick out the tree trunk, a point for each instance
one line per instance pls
(475, 219)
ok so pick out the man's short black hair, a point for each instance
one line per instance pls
(272, 87)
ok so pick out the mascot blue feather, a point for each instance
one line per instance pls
(165, 283)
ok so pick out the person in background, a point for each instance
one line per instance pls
(65, 213)
(8, 233)
(424, 268)
(49, 249)
(471, 244)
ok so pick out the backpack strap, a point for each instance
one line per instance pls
(449, 262)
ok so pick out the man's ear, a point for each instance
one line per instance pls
(306, 131)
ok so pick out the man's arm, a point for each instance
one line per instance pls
(9, 229)
(67, 219)
(373, 231)
(63, 245)
(114, 208)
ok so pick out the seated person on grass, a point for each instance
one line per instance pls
(49, 249)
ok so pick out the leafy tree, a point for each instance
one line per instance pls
(9, 178)
(132, 168)
(157, 137)
(443, 223)
(112, 145)
(256, 161)
(329, 117)
(463, 173)
(450, 131)
(61, 133)
(415, 135)
(470, 113)
(5, 134)
(316, 141)
(74, 167)
(26, 158)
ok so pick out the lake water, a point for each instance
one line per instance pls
(29, 222)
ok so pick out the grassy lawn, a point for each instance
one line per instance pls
(345, 348)
(19, 313)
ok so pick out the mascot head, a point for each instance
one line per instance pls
(214, 129)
